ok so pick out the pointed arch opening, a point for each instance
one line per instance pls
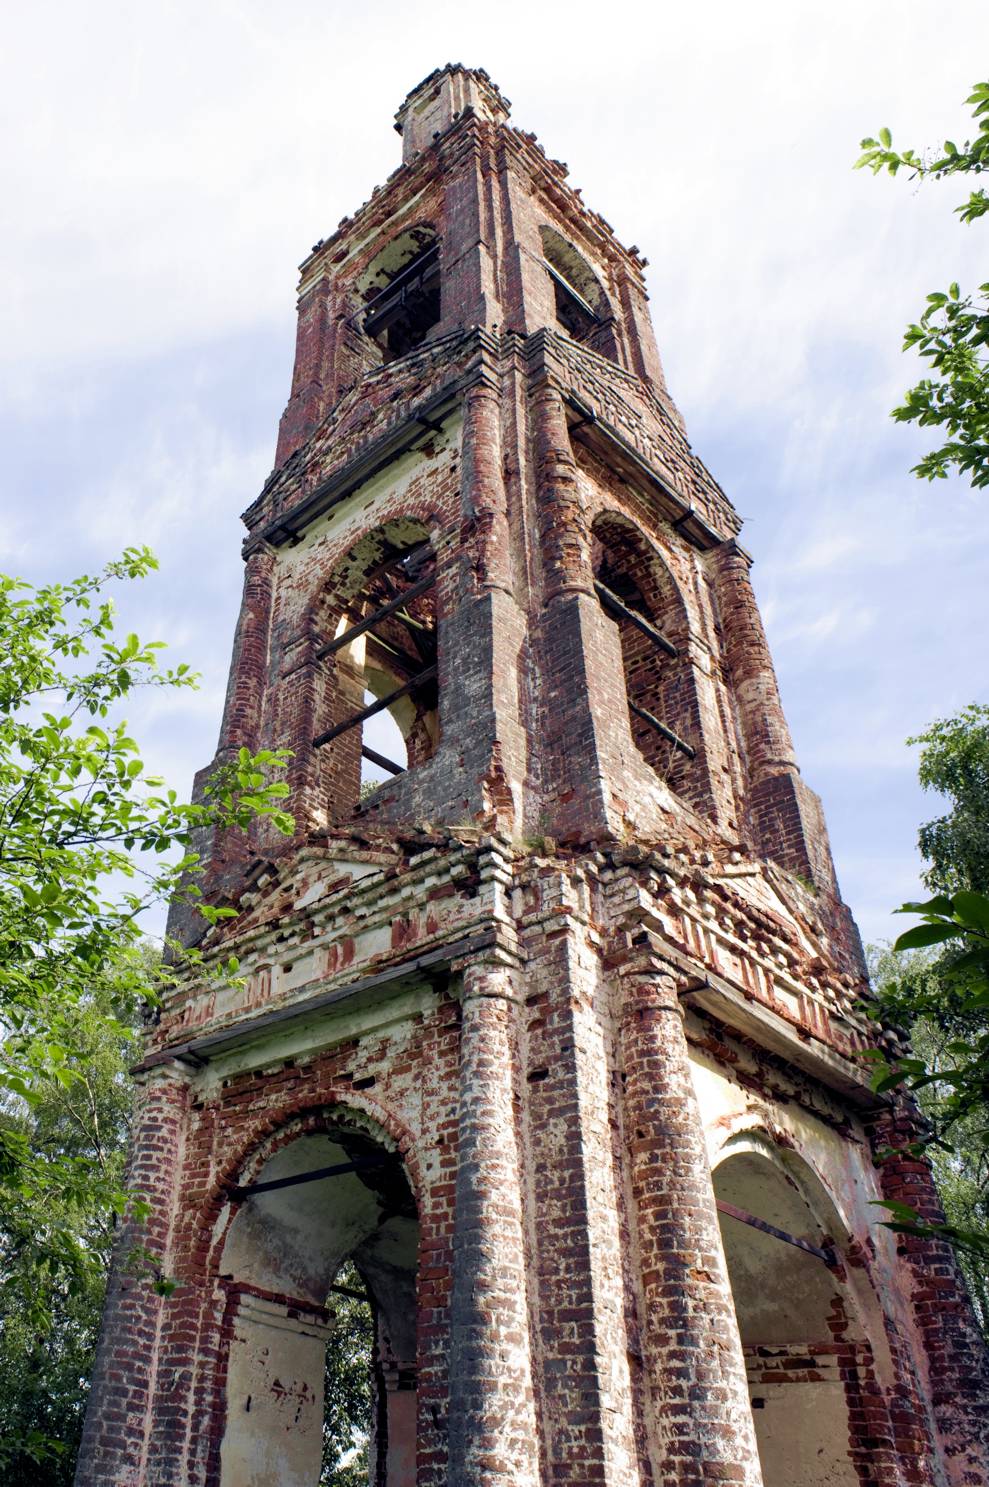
(326, 1220)
(379, 703)
(809, 1358)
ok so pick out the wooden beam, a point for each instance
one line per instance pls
(611, 601)
(412, 592)
(827, 1255)
(661, 728)
(375, 707)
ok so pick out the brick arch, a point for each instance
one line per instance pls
(577, 289)
(299, 1116)
(386, 558)
(850, 1355)
(665, 686)
(274, 1258)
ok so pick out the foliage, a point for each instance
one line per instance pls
(87, 843)
(935, 983)
(347, 1386)
(51, 1312)
(955, 763)
(952, 334)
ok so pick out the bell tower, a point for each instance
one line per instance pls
(548, 1016)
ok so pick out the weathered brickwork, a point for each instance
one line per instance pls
(566, 1009)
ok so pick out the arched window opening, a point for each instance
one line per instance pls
(637, 593)
(382, 691)
(320, 1271)
(808, 1362)
(581, 304)
(401, 293)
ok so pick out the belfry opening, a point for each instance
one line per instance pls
(544, 1034)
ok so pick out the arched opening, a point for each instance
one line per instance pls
(809, 1362)
(400, 292)
(638, 594)
(327, 1218)
(380, 693)
(582, 306)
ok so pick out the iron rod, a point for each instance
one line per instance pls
(412, 592)
(661, 728)
(827, 1255)
(381, 761)
(341, 1168)
(612, 601)
(375, 707)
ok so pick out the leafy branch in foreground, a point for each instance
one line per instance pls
(952, 334)
(88, 842)
(952, 1078)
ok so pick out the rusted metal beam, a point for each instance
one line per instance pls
(663, 731)
(381, 761)
(249, 1190)
(827, 1255)
(611, 601)
(412, 592)
(375, 707)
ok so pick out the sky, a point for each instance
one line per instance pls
(170, 164)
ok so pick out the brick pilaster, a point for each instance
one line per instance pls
(115, 1438)
(564, 533)
(954, 1356)
(484, 486)
(702, 1426)
(492, 1413)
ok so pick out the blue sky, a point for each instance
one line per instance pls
(172, 164)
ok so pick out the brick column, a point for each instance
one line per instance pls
(118, 1414)
(564, 535)
(484, 486)
(492, 1413)
(246, 688)
(953, 1356)
(768, 745)
(695, 1369)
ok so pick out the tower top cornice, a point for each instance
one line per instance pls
(440, 99)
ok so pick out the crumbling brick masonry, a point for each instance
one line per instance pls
(558, 985)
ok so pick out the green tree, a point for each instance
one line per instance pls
(952, 334)
(935, 983)
(347, 1385)
(50, 1311)
(88, 842)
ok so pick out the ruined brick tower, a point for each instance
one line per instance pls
(553, 1030)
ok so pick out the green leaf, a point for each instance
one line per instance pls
(926, 934)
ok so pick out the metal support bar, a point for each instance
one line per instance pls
(376, 707)
(349, 1291)
(412, 592)
(381, 761)
(574, 293)
(612, 602)
(357, 1165)
(661, 728)
(827, 1255)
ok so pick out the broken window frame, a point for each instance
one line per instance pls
(570, 300)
